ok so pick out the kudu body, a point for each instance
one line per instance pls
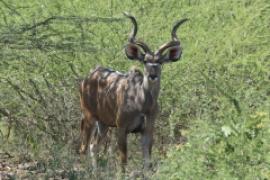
(127, 101)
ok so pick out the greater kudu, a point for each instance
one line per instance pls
(128, 101)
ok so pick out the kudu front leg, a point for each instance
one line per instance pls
(147, 141)
(122, 146)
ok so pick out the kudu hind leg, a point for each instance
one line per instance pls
(87, 125)
(99, 135)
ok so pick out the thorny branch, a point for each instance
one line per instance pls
(46, 109)
(71, 18)
(32, 36)
(21, 91)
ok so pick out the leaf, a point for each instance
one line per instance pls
(226, 130)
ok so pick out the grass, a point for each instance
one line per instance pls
(219, 91)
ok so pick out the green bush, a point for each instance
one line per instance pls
(219, 91)
(229, 94)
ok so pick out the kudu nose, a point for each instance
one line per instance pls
(153, 77)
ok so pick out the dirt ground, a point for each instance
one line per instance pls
(23, 168)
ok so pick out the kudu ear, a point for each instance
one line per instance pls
(171, 54)
(134, 52)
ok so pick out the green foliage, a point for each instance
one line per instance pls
(219, 91)
(229, 91)
(236, 151)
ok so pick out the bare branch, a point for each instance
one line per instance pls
(71, 18)
(21, 91)
(71, 65)
(37, 91)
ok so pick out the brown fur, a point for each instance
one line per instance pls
(115, 100)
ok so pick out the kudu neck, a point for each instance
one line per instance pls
(150, 86)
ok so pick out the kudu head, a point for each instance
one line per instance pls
(138, 50)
